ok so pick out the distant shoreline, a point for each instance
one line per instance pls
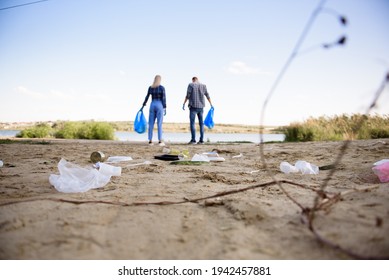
(167, 127)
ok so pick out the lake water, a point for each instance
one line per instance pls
(182, 137)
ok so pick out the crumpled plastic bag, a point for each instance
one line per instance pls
(74, 179)
(381, 169)
(300, 166)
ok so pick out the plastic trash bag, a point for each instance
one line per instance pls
(306, 167)
(382, 171)
(300, 166)
(287, 168)
(74, 179)
(208, 122)
(140, 123)
(109, 170)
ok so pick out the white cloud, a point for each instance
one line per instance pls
(28, 92)
(57, 94)
(97, 97)
(241, 68)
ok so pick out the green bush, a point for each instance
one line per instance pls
(341, 127)
(85, 130)
(71, 130)
(66, 130)
(41, 130)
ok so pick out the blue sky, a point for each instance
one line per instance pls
(94, 59)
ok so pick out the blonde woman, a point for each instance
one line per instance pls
(157, 108)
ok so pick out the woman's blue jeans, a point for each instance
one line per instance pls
(156, 113)
(192, 116)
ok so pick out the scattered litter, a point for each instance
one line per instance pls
(198, 157)
(287, 168)
(213, 156)
(188, 162)
(300, 166)
(381, 169)
(167, 157)
(74, 179)
(115, 159)
(97, 157)
(137, 164)
(306, 167)
(253, 171)
(181, 154)
(108, 169)
(327, 167)
(381, 162)
(238, 156)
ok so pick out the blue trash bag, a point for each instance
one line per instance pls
(140, 123)
(209, 119)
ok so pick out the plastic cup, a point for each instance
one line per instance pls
(110, 170)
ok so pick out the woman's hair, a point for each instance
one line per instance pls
(157, 81)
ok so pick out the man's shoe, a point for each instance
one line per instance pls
(192, 143)
(200, 143)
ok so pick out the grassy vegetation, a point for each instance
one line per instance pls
(343, 127)
(70, 130)
(84, 130)
(41, 130)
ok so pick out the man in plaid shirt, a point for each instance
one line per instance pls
(195, 94)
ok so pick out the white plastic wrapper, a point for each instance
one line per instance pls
(287, 168)
(115, 159)
(74, 179)
(300, 166)
(306, 167)
(198, 157)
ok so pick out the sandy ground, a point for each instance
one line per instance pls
(38, 222)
